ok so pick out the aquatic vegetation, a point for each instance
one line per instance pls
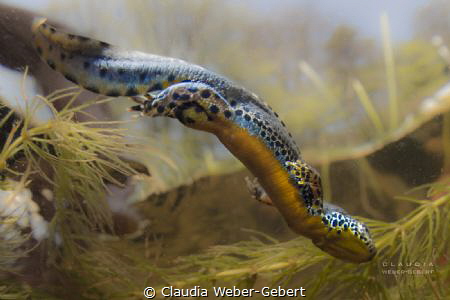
(410, 245)
(76, 159)
(117, 268)
(80, 157)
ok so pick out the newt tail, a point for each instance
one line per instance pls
(203, 100)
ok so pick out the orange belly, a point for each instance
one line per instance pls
(262, 163)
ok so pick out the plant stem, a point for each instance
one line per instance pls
(390, 72)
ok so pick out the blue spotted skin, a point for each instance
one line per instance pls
(203, 100)
(105, 69)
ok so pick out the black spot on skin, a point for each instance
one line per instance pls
(205, 94)
(171, 105)
(120, 71)
(214, 109)
(52, 30)
(171, 78)
(277, 153)
(263, 134)
(92, 89)
(246, 109)
(233, 103)
(160, 109)
(62, 56)
(276, 115)
(273, 138)
(239, 112)
(143, 76)
(175, 96)
(51, 64)
(179, 114)
(283, 152)
(282, 123)
(186, 105)
(70, 36)
(113, 93)
(86, 65)
(334, 224)
(256, 121)
(185, 96)
(247, 117)
(227, 114)
(71, 78)
(103, 72)
(83, 38)
(156, 87)
(132, 91)
(39, 50)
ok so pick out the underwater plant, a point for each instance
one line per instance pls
(71, 163)
(93, 263)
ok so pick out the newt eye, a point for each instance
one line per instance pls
(205, 94)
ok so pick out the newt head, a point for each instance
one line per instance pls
(347, 238)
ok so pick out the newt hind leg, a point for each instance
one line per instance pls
(257, 191)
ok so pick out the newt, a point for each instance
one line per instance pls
(203, 100)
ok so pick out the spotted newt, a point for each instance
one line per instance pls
(203, 100)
